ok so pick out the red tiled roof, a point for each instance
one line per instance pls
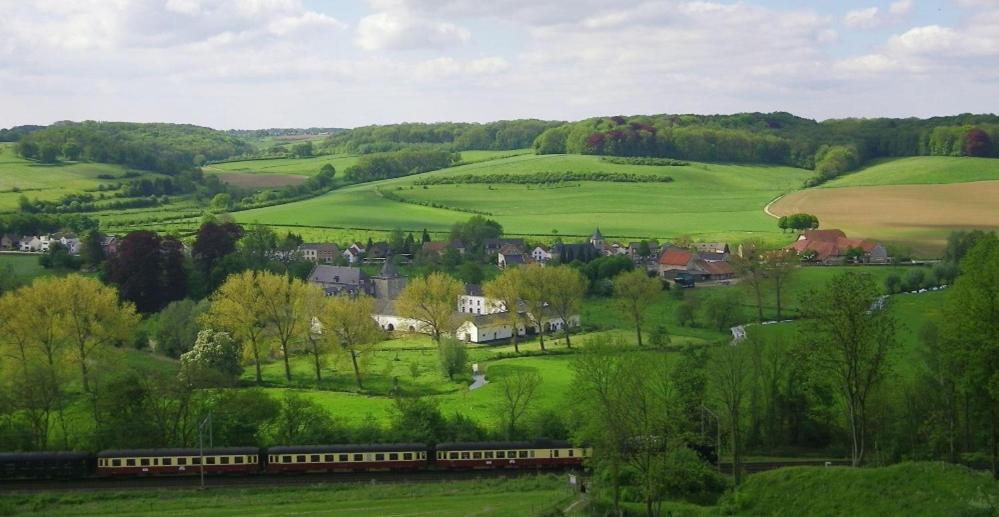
(434, 247)
(823, 235)
(676, 258)
(718, 268)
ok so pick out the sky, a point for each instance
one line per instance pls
(340, 63)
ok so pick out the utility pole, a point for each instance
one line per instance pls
(206, 423)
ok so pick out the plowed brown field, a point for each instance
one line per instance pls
(918, 216)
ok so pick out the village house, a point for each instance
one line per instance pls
(635, 248)
(833, 247)
(353, 253)
(433, 248)
(341, 280)
(319, 253)
(510, 255)
(8, 242)
(475, 302)
(493, 246)
(677, 262)
(541, 254)
(109, 243)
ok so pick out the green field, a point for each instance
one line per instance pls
(706, 201)
(290, 166)
(921, 170)
(47, 182)
(528, 495)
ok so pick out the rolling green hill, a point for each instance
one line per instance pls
(48, 181)
(705, 200)
(903, 489)
(921, 170)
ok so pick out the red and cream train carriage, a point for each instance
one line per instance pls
(539, 454)
(177, 462)
(347, 458)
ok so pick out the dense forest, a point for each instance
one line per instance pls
(165, 148)
(458, 136)
(830, 147)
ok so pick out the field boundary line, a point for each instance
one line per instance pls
(766, 209)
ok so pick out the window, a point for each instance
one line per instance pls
(210, 460)
(500, 454)
(156, 461)
(477, 455)
(196, 461)
(238, 460)
(300, 458)
(358, 457)
(393, 456)
(314, 458)
(571, 452)
(115, 463)
(379, 457)
(286, 459)
(181, 461)
(555, 453)
(464, 455)
(511, 454)
(453, 455)
(407, 456)
(224, 460)
(144, 462)
(344, 457)
(532, 454)
(489, 455)
(167, 462)
(328, 458)
(522, 454)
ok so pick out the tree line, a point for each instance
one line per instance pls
(399, 163)
(543, 178)
(454, 136)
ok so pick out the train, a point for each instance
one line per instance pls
(541, 454)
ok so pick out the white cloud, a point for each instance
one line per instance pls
(863, 18)
(397, 31)
(900, 8)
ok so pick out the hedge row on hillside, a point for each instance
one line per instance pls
(543, 178)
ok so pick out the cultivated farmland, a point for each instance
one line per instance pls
(917, 216)
(706, 201)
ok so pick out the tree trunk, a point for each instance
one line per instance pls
(83, 369)
(777, 292)
(516, 335)
(541, 333)
(287, 365)
(315, 355)
(638, 332)
(565, 328)
(759, 301)
(736, 450)
(357, 371)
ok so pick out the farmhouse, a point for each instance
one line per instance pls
(510, 255)
(541, 254)
(493, 246)
(475, 302)
(353, 253)
(833, 247)
(675, 262)
(8, 242)
(433, 249)
(319, 253)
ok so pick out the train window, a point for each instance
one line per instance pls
(286, 459)
(407, 456)
(358, 457)
(328, 458)
(511, 454)
(393, 456)
(555, 453)
(167, 462)
(300, 458)
(523, 454)
(314, 458)
(477, 455)
(181, 461)
(571, 452)
(196, 461)
(465, 455)
(239, 460)
(344, 457)
(423, 455)
(453, 455)
(489, 455)
(210, 460)
(115, 463)
(532, 454)
(501, 454)
(144, 462)
(156, 461)
(379, 457)
(224, 460)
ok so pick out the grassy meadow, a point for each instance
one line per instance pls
(707, 201)
(527, 495)
(48, 182)
(920, 170)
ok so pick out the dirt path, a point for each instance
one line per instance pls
(771, 203)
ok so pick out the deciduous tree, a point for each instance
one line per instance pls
(634, 292)
(504, 291)
(238, 307)
(431, 301)
(347, 323)
(283, 306)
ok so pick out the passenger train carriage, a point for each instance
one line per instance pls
(347, 458)
(45, 465)
(539, 454)
(177, 462)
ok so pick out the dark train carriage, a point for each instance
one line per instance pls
(347, 458)
(539, 454)
(46, 465)
(178, 462)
